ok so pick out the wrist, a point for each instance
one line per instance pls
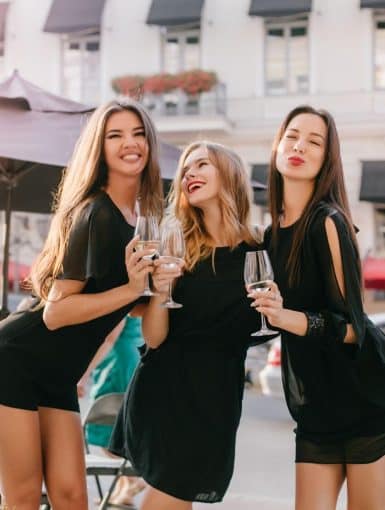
(132, 292)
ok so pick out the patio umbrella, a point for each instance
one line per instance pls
(38, 134)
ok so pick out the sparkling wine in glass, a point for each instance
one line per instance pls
(172, 252)
(147, 228)
(257, 273)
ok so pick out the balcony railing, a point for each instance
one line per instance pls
(178, 103)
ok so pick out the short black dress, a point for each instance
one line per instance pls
(182, 409)
(339, 419)
(39, 367)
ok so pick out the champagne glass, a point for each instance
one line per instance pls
(172, 251)
(147, 228)
(257, 273)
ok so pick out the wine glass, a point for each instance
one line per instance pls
(172, 251)
(147, 228)
(257, 273)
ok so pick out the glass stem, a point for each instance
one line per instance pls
(263, 322)
(147, 284)
(169, 299)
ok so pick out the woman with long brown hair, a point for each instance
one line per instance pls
(182, 409)
(326, 362)
(85, 280)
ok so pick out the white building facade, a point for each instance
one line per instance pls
(269, 56)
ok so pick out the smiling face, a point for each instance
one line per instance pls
(301, 151)
(200, 181)
(126, 149)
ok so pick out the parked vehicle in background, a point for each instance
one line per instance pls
(255, 361)
(270, 376)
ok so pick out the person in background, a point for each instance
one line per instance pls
(86, 279)
(340, 433)
(111, 371)
(181, 412)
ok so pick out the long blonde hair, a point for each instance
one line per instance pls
(83, 179)
(234, 202)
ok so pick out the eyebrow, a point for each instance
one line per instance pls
(312, 134)
(186, 167)
(138, 128)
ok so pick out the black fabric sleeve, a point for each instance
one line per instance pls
(339, 310)
(87, 251)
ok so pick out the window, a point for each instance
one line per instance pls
(286, 58)
(379, 230)
(379, 53)
(181, 51)
(81, 67)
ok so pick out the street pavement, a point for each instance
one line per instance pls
(264, 467)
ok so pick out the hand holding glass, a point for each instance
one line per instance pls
(257, 273)
(172, 250)
(147, 228)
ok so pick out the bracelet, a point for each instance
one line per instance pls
(315, 324)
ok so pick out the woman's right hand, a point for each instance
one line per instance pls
(137, 267)
(164, 274)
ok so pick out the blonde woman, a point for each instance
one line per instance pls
(182, 410)
(86, 280)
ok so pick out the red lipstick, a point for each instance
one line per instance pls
(296, 160)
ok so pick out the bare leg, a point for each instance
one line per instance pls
(366, 485)
(318, 485)
(157, 500)
(63, 453)
(20, 458)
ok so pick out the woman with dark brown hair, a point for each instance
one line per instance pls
(326, 367)
(86, 279)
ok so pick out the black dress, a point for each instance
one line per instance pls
(337, 422)
(39, 367)
(182, 409)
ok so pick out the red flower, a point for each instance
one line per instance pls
(129, 85)
(196, 81)
(160, 83)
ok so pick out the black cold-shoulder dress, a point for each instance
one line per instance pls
(340, 419)
(39, 367)
(182, 409)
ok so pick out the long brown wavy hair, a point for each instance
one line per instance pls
(83, 179)
(329, 188)
(234, 202)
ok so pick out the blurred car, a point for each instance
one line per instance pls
(270, 376)
(255, 361)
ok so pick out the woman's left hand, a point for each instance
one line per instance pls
(269, 303)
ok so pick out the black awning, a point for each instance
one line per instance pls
(3, 17)
(170, 13)
(373, 4)
(267, 8)
(259, 173)
(373, 181)
(68, 16)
